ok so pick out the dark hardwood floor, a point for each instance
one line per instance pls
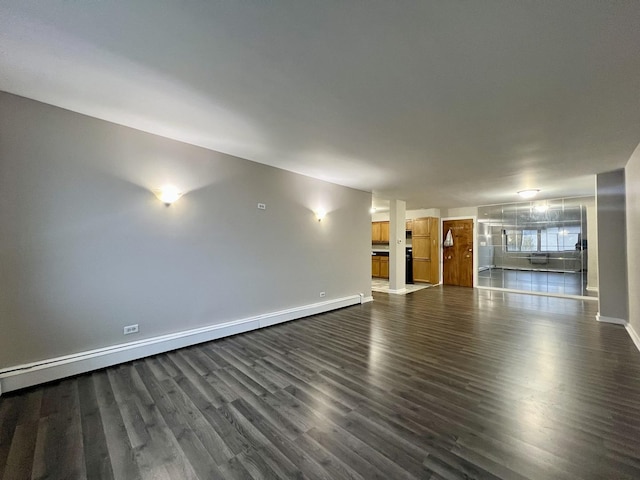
(443, 383)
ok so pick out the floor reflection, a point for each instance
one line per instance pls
(564, 283)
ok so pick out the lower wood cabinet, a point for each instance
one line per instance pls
(384, 267)
(422, 270)
(379, 266)
(375, 266)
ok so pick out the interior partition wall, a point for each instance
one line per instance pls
(537, 246)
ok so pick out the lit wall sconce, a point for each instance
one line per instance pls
(320, 214)
(168, 194)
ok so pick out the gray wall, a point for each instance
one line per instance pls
(459, 212)
(85, 248)
(612, 245)
(592, 237)
(632, 178)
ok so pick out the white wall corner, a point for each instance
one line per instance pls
(614, 320)
(50, 369)
(634, 335)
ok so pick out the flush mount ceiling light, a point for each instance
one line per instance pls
(528, 193)
(168, 194)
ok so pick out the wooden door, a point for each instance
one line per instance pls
(457, 260)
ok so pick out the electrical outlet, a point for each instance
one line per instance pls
(323, 294)
(262, 206)
(129, 329)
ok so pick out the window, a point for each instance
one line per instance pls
(551, 239)
(559, 239)
(529, 241)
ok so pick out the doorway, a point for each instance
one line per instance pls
(457, 255)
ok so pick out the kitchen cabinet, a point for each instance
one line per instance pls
(422, 270)
(375, 232)
(422, 247)
(380, 266)
(380, 232)
(375, 266)
(423, 226)
(425, 240)
(384, 232)
(384, 267)
(408, 225)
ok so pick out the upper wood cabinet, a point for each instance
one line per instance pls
(375, 232)
(422, 226)
(380, 232)
(408, 225)
(384, 232)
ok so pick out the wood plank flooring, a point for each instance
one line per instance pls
(444, 383)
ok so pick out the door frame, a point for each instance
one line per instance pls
(475, 246)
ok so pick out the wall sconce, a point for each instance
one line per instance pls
(168, 194)
(320, 214)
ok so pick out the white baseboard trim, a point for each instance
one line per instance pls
(27, 375)
(399, 291)
(592, 289)
(617, 321)
(367, 299)
(634, 335)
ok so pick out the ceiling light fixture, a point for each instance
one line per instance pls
(320, 214)
(168, 194)
(528, 193)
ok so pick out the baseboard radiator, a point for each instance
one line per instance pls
(539, 259)
(47, 370)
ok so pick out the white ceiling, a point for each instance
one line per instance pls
(439, 103)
